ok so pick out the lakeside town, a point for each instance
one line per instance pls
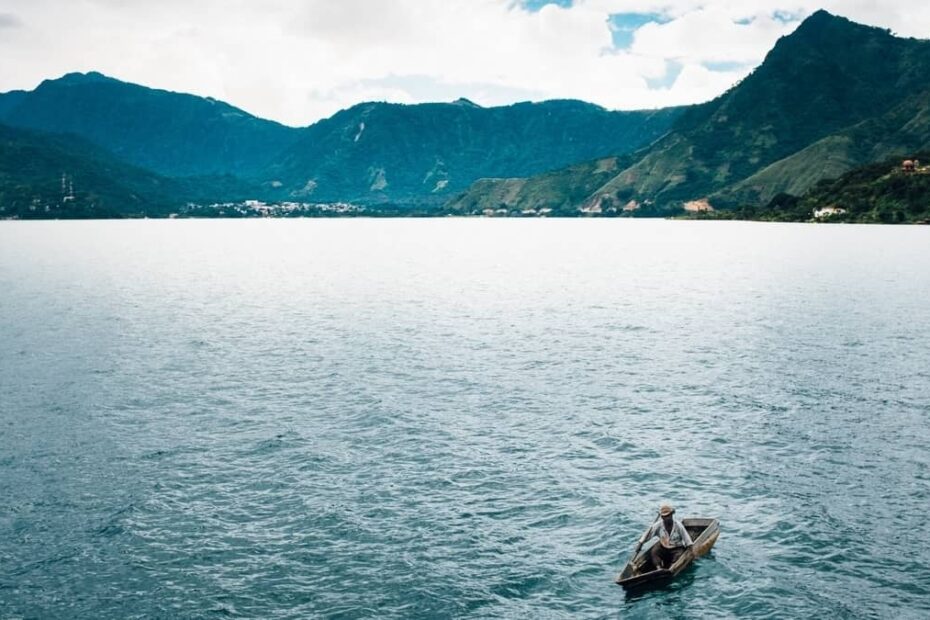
(847, 199)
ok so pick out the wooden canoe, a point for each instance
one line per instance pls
(639, 571)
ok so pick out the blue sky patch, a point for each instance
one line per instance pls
(535, 5)
(786, 17)
(725, 66)
(623, 25)
(672, 71)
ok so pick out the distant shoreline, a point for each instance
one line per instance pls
(375, 216)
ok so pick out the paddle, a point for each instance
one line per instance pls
(642, 541)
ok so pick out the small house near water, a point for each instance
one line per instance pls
(830, 211)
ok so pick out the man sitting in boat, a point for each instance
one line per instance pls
(673, 538)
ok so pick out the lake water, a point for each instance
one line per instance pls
(460, 417)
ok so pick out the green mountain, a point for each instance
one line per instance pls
(370, 153)
(833, 88)
(905, 128)
(831, 96)
(876, 193)
(62, 176)
(559, 191)
(379, 152)
(45, 175)
(880, 192)
(170, 133)
(10, 100)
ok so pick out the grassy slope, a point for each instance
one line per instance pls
(904, 129)
(560, 190)
(875, 193)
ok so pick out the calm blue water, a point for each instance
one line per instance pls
(460, 418)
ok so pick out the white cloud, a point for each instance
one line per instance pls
(300, 61)
(709, 35)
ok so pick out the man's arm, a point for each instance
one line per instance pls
(685, 536)
(648, 534)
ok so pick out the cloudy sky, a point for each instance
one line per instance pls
(297, 61)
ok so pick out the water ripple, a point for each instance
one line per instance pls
(371, 419)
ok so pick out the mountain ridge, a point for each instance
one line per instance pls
(170, 133)
(829, 75)
(372, 152)
(830, 96)
(375, 152)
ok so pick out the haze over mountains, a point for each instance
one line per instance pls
(829, 97)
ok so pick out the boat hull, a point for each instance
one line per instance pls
(639, 572)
